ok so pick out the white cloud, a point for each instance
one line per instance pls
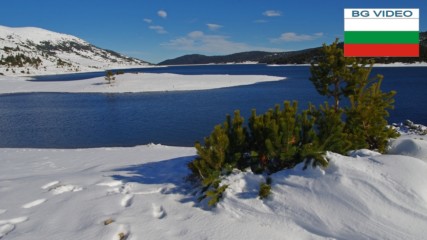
(197, 41)
(272, 13)
(294, 37)
(213, 26)
(158, 29)
(147, 20)
(162, 13)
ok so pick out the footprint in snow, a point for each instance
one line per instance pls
(57, 188)
(14, 220)
(5, 229)
(60, 189)
(158, 211)
(158, 190)
(7, 226)
(50, 185)
(66, 188)
(127, 200)
(110, 184)
(34, 203)
(127, 188)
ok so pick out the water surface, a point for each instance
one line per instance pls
(62, 120)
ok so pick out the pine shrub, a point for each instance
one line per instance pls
(284, 137)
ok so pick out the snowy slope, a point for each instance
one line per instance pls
(58, 53)
(141, 193)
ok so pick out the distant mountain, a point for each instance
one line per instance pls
(295, 57)
(38, 51)
(254, 56)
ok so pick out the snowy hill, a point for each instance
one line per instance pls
(36, 51)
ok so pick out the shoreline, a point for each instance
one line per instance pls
(398, 64)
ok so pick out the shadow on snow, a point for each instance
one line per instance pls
(171, 172)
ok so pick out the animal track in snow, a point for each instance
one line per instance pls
(34, 203)
(127, 200)
(158, 211)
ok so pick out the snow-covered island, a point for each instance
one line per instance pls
(132, 82)
(141, 193)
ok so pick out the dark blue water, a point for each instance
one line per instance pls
(58, 120)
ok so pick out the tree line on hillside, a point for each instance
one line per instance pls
(253, 56)
(20, 60)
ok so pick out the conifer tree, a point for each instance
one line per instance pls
(366, 117)
(211, 157)
(330, 129)
(333, 74)
(109, 77)
(238, 138)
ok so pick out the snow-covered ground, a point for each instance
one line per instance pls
(141, 193)
(142, 82)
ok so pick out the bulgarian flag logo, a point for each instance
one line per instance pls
(381, 32)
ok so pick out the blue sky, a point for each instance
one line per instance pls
(156, 30)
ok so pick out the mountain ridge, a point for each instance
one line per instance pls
(250, 56)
